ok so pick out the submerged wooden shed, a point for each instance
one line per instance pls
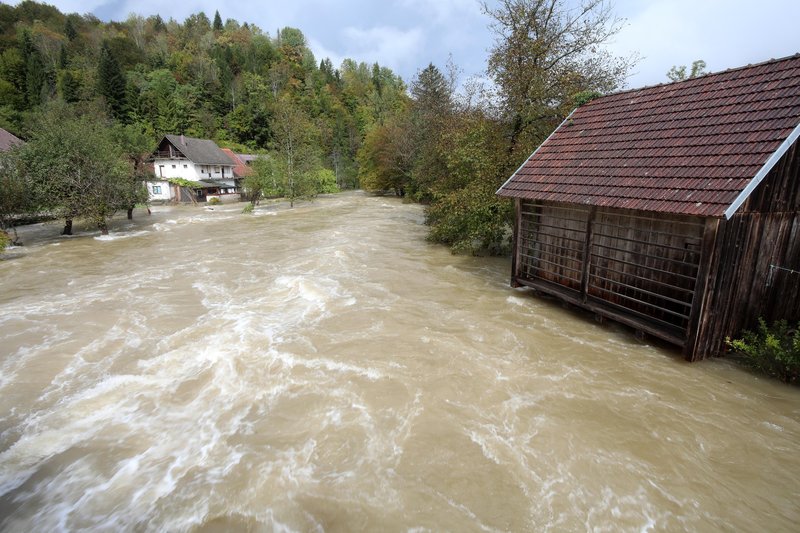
(674, 209)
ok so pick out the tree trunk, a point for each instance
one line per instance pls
(130, 213)
(103, 228)
(67, 227)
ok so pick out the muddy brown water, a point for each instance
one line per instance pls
(325, 369)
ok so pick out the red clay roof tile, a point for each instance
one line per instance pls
(689, 147)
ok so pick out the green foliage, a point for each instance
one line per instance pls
(326, 181)
(248, 209)
(111, 83)
(471, 220)
(189, 184)
(584, 97)
(73, 167)
(678, 73)
(214, 201)
(773, 350)
(5, 240)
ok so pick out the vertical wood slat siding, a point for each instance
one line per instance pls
(629, 261)
(551, 243)
(752, 259)
(745, 282)
(646, 264)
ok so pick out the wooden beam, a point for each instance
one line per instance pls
(703, 291)
(587, 249)
(515, 243)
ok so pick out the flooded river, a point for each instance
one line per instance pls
(325, 369)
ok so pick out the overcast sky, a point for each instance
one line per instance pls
(406, 35)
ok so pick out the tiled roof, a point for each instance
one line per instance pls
(690, 147)
(8, 140)
(240, 169)
(199, 151)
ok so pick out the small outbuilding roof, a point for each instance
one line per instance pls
(694, 147)
(199, 151)
(240, 168)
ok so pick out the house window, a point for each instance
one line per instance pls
(216, 169)
(185, 166)
(156, 189)
(173, 166)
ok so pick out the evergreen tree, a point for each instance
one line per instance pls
(35, 78)
(217, 22)
(62, 58)
(111, 83)
(69, 30)
(70, 87)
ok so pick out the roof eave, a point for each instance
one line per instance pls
(497, 192)
(762, 173)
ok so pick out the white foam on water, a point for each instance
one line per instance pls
(115, 236)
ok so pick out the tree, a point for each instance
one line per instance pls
(73, 167)
(386, 158)
(217, 22)
(13, 195)
(431, 110)
(136, 146)
(265, 180)
(678, 73)
(295, 146)
(111, 83)
(545, 52)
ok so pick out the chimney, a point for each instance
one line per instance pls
(183, 140)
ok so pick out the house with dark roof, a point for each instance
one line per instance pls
(674, 209)
(8, 140)
(190, 169)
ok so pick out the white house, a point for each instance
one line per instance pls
(199, 161)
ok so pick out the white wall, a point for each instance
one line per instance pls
(175, 168)
(159, 190)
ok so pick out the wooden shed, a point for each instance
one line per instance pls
(674, 209)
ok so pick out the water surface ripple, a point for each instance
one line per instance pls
(324, 369)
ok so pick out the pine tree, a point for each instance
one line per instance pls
(69, 30)
(217, 22)
(111, 83)
(70, 87)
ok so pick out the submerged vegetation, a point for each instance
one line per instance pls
(321, 127)
(773, 350)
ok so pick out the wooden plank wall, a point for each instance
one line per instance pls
(615, 262)
(755, 268)
(551, 243)
(646, 263)
(755, 273)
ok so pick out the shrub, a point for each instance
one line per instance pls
(214, 201)
(248, 209)
(773, 350)
(5, 240)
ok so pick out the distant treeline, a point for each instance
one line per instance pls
(233, 82)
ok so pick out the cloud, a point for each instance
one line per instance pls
(725, 34)
(387, 45)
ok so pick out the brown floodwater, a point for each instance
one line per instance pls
(323, 368)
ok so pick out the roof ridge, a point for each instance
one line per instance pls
(704, 76)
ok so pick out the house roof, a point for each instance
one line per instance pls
(240, 169)
(199, 151)
(8, 140)
(695, 147)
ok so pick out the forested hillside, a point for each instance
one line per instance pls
(233, 82)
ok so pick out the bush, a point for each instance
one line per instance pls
(214, 201)
(774, 350)
(5, 240)
(248, 209)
